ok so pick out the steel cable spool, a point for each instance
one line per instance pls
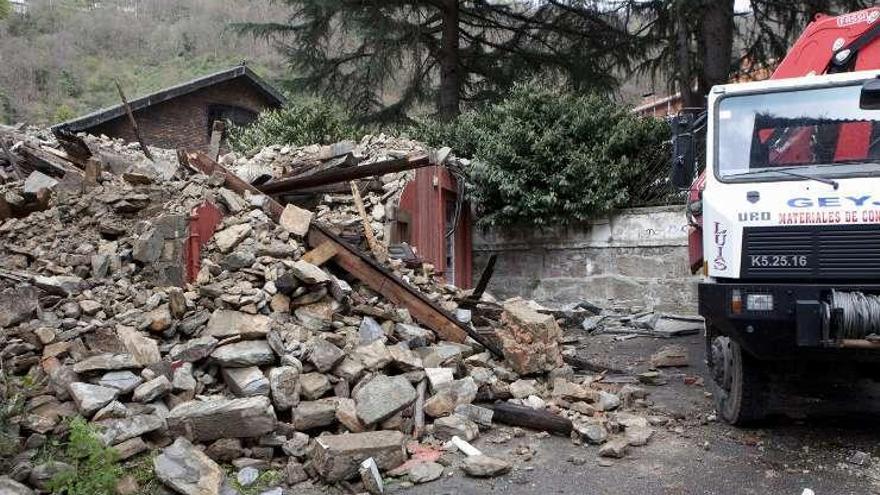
(859, 314)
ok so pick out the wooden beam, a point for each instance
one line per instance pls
(345, 174)
(133, 122)
(381, 280)
(489, 269)
(377, 250)
(203, 163)
(321, 254)
(216, 137)
(516, 415)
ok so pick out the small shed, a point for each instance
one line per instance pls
(182, 116)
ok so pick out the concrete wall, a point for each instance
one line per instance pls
(638, 257)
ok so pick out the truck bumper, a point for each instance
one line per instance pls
(793, 328)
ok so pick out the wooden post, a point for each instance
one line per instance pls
(375, 247)
(217, 131)
(134, 126)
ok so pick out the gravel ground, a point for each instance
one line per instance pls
(695, 456)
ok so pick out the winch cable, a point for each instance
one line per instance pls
(859, 314)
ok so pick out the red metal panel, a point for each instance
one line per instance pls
(424, 198)
(203, 222)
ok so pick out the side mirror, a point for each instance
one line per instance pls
(683, 161)
(870, 97)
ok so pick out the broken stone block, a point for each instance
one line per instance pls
(529, 339)
(9, 486)
(130, 448)
(230, 237)
(670, 356)
(152, 390)
(144, 350)
(122, 381)
(337, 457)
(158, 320)
(324, 355)
(349, 369)
(607, 401)
(183, 379)
(296, 220)
(297, 446)
(188, 470)
(479, 415)
(382, 397)
(425, 472)
(439, 377)
(227, 323)
(371, 478)
(89, 398)
(222, 418)
(459, 392)
(373, 356)
(521, 389)
(346, 414)
(369, 331)
(193, 350)
(455, 426)
(225, 450)
(43, 474)
(413, 335)
(615, 448)
(246, 382)
(317, 316)
(114, 431)
(148, 246)
(17, 305)
(308, 273)
(595, 434)
(314, 385)
(314, 414)
(637, 435)
(403, 358)
(285, 387)
(564, 389)
(244, 354)
(483, 466)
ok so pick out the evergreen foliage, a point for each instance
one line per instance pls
(544, 157)
(384, 57)
(302, 121)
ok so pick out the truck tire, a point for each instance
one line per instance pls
(739, 383)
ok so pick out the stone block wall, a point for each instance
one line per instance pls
(637, 257)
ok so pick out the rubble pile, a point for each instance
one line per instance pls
(261, 360)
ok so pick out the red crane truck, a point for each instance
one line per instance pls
(785, 218)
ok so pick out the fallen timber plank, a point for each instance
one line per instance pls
(475, 297)
(321, 254)
(516, 415)
(360, 266)
(335, 175)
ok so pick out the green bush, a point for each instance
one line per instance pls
(301, 122)
(96, 469)
(543, 157)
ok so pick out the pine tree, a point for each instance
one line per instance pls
(384, 57)
(697, 44)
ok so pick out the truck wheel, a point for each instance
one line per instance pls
(739, 383)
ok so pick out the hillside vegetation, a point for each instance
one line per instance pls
(60, 59)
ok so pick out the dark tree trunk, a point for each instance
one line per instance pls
(717, 43)
(450, 63)
(685, 77)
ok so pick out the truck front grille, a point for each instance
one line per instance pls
(816, 251)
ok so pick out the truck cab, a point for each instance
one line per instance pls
(790, 219)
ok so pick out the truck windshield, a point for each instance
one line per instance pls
(818, 132)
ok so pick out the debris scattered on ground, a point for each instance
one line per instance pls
(183, 314)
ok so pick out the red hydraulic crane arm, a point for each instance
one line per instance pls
(829, 44)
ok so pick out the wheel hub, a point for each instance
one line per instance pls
(722, 363)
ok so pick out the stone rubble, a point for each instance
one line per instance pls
(259, 361)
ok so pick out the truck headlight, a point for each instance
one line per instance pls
(759, 302)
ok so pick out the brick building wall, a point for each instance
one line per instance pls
(184, 122)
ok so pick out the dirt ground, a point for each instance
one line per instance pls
(694, 454)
